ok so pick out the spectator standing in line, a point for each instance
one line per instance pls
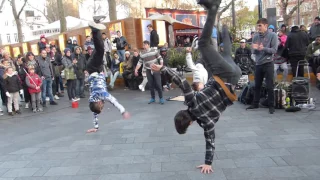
(264, 46)
(88, 43)
(280, 62)
(69, 64)
(107, 50)
(6, 56)
(315, 29)
(296, 44)
(243, 58)
(43, 42)
(249, 41)
(154, 37)
(121, 43)
(79, 68)
(89, 53)
(21, 69)
(34, 83)
(313, 55)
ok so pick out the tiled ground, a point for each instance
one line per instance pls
(249, 145)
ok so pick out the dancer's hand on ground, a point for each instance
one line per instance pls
(188, 49)
(92, 130)
(206, 169)
(156, 67)
(126, 115)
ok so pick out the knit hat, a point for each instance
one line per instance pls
(42, 36)
(66, 50)
(317, 18)
(89, 48)
(271, 27)
(127, 52)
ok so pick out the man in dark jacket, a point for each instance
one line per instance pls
(297, 43)
(243, 58)
(79, 71)
(154, 37)
(315, 29)
(121, 43)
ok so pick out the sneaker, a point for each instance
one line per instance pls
(34, 110)
(60, 95)
(83, 96)
(253, 107)
(271, 110)
(39, 110)
(18, 112)
(96, 125)
(97, 26)
(27, 106)
(152, 100)
(162, 101)
(75, 99)
(98, 19)
(10, 113)
(53, 103)
(47, 99)
(208, 4)
(56, 97)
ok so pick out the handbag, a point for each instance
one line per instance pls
(69, 73)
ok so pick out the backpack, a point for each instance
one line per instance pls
(244, 96)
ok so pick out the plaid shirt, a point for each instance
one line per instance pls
(205, 106)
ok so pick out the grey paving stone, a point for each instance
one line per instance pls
(293, 137)
(151, 159)
(118, 160)
(156, 167)
(62, 171)
(216, 175)
(135, 176)
(20, 172)
(157, 145)
(295, 160)
(312, 170)
(286, 144)
(2, 171)
(82, 177)
(86, 142)
(98, 170)
(279, 161)
(245, 173)
(172, 150)
(157, 175)
(243, 146)
(288, 171)
(134, 168)
(254, 162)
(36, 178)
(41, 171)
(44, 163)
(241, 134)
(26, 151)
(270, 152)
(14, 164)
(127, 146)
(178, 166)
(7, 178)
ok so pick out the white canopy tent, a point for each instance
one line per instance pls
(54, 28)
(177, 25)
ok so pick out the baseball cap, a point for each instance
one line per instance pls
(243, 41)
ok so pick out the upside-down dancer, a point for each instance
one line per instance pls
(97, 81)
(206, 105)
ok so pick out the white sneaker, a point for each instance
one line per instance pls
(77, 99)
(56, 97)
(74, 99)
(97, 26)
(142, 89)
(27, 106)
(47, 99)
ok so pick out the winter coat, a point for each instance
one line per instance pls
(297, 42)
(120, 43)
(42, 46)
(115, 65)
(154, 38)
(21, 72)
(33, 81)
(12, 83)
(127, 64)
(314, 31)
(313, 50)
(80, 67)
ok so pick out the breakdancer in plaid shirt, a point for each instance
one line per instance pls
(206, 105)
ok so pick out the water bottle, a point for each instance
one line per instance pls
(287, 102)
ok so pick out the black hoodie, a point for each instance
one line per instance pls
(297, 42)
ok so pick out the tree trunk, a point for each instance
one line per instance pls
(16, 16)
(112, 10)
(63, 21)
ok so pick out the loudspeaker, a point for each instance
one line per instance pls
(300, 89)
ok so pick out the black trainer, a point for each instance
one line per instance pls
(255, 106)
(97, 26)
(98, 19)
(271, 110)
(53, 103)
(18, 112)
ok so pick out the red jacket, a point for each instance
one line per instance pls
(36, 81)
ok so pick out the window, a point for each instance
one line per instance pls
(15, 37)
(29, 13)
(8, 38)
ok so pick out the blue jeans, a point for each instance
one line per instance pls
(79, 87)
(121, 54)
(46, 88)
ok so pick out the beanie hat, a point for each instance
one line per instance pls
(127, 52)
(317, 18)
(42, 36)
(271, 27)
(66, 50)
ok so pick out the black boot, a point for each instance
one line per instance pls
(254, 106)
(271, 110)
(208, 4)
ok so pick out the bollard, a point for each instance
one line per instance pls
(75, 104)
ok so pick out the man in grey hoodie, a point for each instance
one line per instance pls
(264, 46)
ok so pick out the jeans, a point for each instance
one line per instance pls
(71, 88)
(46, 88)
(121, 54)
(154, 79)
(113, 78)
(294, 65)
(264, 71)
(284, 67)
(80, 87)
(58, 83)
(224, 67)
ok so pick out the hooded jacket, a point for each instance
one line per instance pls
(314, 31)
(297, 42)
(80, 67)
(32, 81)
(12, 83)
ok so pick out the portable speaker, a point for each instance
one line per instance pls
(300, 88)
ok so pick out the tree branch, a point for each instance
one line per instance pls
(43, 13)
(225, 8)
(295, 8)
(25, 2)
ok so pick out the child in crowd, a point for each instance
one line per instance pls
(34, 83)
(12, 87)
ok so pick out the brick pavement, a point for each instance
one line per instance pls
(250, 145)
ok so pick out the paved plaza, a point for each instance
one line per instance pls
(250, 145)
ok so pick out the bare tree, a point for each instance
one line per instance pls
(222, 10)
(284, 5)
(112, 10)
(63, 21)
(16, 15)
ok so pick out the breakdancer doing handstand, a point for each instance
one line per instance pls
(97, 80)
(206, 105)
